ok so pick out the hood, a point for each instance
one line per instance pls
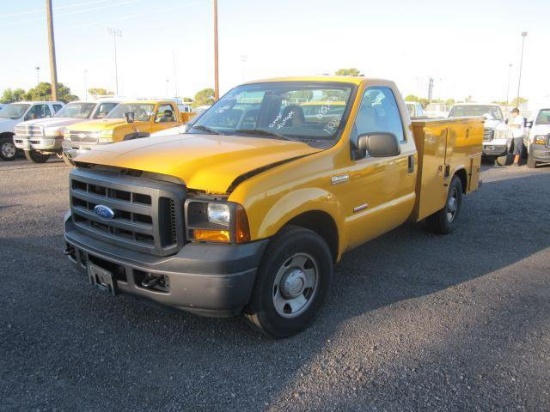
(202, 162)
(540, 129)
(98, 125)
(7, 125)
(52, 122)
(494, 124)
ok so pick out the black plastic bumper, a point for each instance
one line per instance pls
(207, 279)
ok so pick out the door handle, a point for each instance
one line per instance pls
(411, 163)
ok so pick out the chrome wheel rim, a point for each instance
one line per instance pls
(8, 150)
(452, 205)
(295, 285)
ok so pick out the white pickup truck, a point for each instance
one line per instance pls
(497, 138)
(15, 113)
(41, 138)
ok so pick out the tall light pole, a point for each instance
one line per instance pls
(508, 88)
(216, 77)
(115, 33)
(37, 75)
(523, 35)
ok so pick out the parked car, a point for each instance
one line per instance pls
(15, 113)
(537, 140)
(249, 212)
(129, 120)
(497, 138)
(415, 109)
(41, 138)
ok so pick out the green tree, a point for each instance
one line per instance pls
(204, 97)
(99, 92)
(43, 91)
(10, 96)
(348, 72)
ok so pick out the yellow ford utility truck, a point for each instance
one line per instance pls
(249, 211)
(146, 117)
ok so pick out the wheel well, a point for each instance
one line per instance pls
(322, 224)
(461, 174)
(6, 134)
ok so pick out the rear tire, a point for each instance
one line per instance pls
(36, 157)
(444, 221)
(292, 283)
(8, 151)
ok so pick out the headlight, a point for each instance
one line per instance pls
(104, 136)
(539, 139)
(500, 134)
(216, 221)
(53, 132)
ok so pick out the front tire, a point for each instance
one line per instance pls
(292, 283)
(530, 161)
(36, 157)
(444, 221)
(8, 151)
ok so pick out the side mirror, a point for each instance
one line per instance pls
(379, 144)
(529, 124)
(130, 116)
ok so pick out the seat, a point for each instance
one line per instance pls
(293, 115)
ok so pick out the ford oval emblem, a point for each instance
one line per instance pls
(104, 212)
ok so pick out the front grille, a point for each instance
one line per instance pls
(82, 137)
(488, 135)
(148, 214)
(25, 130)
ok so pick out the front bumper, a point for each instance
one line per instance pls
(40, 143)
(495, 149)
(72, 150)
(206, 279)
(540, 153)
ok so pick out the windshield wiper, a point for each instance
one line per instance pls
(261, 132)
(205, 129)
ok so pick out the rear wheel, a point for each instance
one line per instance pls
(444, 221)
(8, 151)
(36, 157)
(292, 283)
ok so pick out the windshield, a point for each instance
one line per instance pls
(76, 110)
(494, 112)
(13, 111)
(543, 117)
(305, 111)
(142, 111)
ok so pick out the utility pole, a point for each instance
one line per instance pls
(523, 35)
(216, 78)
(51, 42)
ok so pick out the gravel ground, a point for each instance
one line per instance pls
(413, 322)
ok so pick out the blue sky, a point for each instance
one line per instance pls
(466, 47)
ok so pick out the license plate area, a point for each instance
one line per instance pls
(102, 279)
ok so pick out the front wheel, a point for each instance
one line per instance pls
(8, 151)
(444, 220)
(36, 157)
(530, 161)
(292, 283)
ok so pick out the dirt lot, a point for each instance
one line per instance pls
(413, 322)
